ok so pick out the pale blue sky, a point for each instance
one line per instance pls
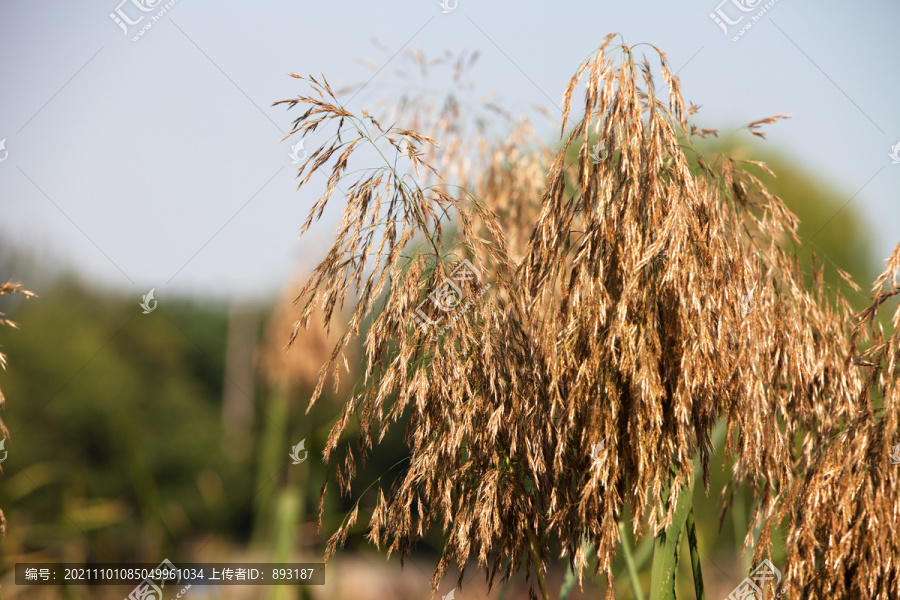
(158, 163)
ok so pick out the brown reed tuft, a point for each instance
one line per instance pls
(635, 301)
(842, 539)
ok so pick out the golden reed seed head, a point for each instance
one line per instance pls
(618, 312)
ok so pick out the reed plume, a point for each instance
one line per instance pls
(635, 300)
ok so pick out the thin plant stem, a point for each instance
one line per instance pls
(568, 584)
(665, 551)
(570, 578)
(532, 548)
(630, 563)
(694, 547)
(641, 554)
(504, 590)
(739, 522)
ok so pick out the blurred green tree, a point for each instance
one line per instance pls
(116, 432)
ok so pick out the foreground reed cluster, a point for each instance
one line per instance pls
(638, 297)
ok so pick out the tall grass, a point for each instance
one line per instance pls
(633, 301)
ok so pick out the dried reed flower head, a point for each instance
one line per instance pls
(617, 313)
(299, 366)
(842, 539)
(461, 121)
(10, 287)
(7, 288)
